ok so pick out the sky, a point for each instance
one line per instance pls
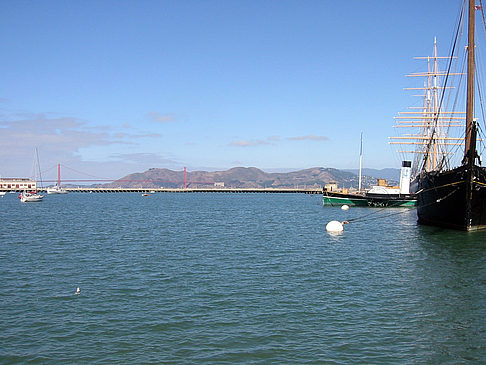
(107, 88)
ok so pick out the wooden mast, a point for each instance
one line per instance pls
(431, 118)
(435, 102)
(471, 130)
(470, 82)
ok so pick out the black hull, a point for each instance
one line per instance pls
(370, 200)
(452, 199)
(391, 200)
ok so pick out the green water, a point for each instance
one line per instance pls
(234, 279)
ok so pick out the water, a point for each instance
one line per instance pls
(234, 278)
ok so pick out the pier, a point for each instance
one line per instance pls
(25, 184)
(194, 190)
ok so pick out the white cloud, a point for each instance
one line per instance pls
(255, 142)
(308, 138)
(150, 159)
(58, 140)
(161, 118)
(248, 143)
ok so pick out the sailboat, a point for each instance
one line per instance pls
(30, 197)
(446, 196)
(33, 196)
(57, 189)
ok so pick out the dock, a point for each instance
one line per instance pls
(195, 190)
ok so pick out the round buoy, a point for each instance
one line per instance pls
(334, 226)
(345, 207)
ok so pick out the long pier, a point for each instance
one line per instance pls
(195, 190)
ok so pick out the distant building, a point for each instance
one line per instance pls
(331, 186)
(14, 183)
(219, 184)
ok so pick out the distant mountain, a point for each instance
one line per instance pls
(238, 177)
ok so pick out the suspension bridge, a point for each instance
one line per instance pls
(92, 185)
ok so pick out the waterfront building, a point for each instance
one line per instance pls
(16, 183)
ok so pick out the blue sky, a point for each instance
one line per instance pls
(112, 87)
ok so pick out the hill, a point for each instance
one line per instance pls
(241, 177)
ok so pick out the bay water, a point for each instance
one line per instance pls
(215, 278)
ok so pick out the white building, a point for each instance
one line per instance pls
(14, 183)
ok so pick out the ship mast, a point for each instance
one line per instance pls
(435, 112)
(431, 119)
(468, 154)
(360, 163)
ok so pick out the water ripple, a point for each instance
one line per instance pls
(234, 278)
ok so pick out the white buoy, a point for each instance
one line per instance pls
(78, 291)
(334, 226)
(345, 207)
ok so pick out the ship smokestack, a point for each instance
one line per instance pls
(405, 177)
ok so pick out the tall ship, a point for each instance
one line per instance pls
(450, 183)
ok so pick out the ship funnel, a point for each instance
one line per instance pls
(405, 177)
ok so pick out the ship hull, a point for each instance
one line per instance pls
(450, 200)
(377, 201)
(337, 199)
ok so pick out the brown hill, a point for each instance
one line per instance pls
(237, 177)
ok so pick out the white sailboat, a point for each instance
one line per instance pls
(33, 196)
(30, 197)
(57, 189)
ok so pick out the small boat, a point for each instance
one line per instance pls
(145, 194)
(30, 197)
(3, 193)
(57, 189)
(380, 196)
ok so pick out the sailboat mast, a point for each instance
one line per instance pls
(470, 78)
(37, 172)
(58, 175)
(360, 162)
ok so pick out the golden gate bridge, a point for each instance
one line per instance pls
(94, 179)
(183, 188)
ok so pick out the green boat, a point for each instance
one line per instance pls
(369, 200)
(338, 199)
(380, 196)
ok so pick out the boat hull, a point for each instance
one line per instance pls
(31, 198)
(376, 201)
(56, 191)
(444, 199)
(399, 200)
(338, 199)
